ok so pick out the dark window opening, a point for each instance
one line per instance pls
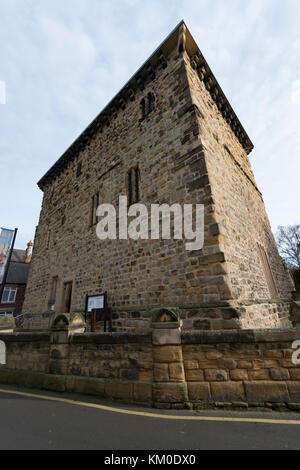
(95, 204)
(49, 240)
(147, 105)
(143, 107)
(137, 184)
(130, 188)
(79, 169)
(151, 102)
(134, 186)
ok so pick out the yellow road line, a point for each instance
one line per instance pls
(152, 415)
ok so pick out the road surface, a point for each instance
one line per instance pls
(34, 420)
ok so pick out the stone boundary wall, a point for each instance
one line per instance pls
(166, 368)
(117, 366)
(242, 368)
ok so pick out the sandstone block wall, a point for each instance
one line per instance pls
(166, 369)
(27, 352)
(112, 366)
(241, 224)
(254, 368)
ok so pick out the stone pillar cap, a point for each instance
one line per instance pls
(166, 318)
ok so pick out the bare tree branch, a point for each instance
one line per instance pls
(288, 241)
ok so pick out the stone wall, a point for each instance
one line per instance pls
(186, 153)
(114, 366)
(252, 368)
(165, 369)
(27, 352)
(239, 221)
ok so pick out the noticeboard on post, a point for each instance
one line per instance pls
(95, 302)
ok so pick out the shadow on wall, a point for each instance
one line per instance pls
(2, 353)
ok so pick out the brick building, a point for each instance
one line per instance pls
(169, 136)
(15, 287)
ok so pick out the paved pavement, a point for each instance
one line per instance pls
(35, 420)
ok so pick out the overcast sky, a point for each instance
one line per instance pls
(62, 62)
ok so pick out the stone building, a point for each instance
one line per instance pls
(169, 136)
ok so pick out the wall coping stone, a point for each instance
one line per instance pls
(25, 337)
(240, 336)
(187, 337)
(112, 338)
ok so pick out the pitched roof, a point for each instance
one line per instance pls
(18, 256)
(18, 270)
(17, 273)
(145, 74)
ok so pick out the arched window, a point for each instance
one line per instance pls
(143, 108)
(147, 105)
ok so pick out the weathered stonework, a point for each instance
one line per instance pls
(240, 369)
(191, 148)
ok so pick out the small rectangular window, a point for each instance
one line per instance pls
(95, 204)
(130, 188)
(147, 105)
(134, 186)
(137, 184)
(9, 295)
(49, 240)
(79, 169)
